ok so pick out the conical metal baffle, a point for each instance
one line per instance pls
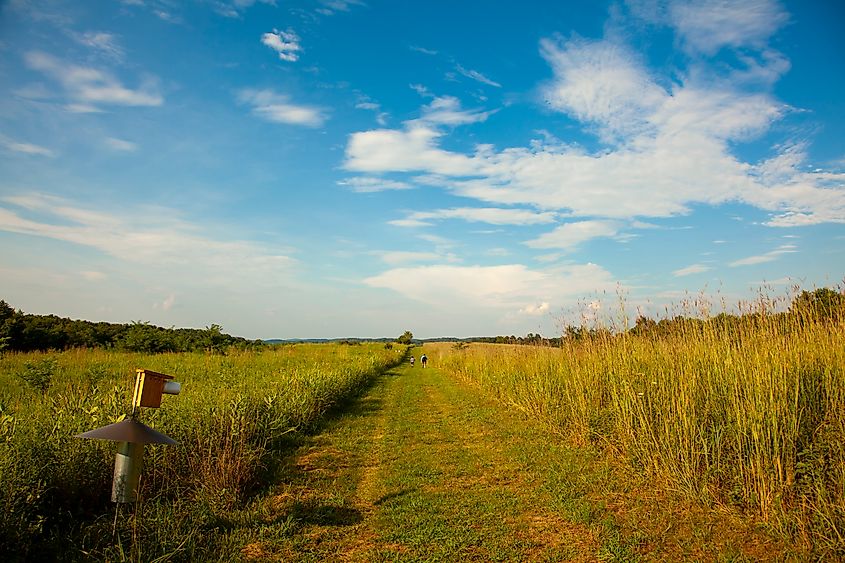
(129, 430)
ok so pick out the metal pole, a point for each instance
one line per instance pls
(127, 472)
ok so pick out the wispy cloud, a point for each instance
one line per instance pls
(121, 145)
(89, 87)
(446, 110)
(489, 215)
(285, 43)
(706, 26)
(421, 90)
(535, 310)
(277, 108)
(167, 16)
(690, 270)
(422, 50)
(511, 287)
(477, 76)
(25, 148)
(331, 7)
(767, 257)
(666, 148)
(570, 235)
(104, 43)
(369, 184)
(156, 239)
(368, 104)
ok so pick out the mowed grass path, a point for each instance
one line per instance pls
(425, 468)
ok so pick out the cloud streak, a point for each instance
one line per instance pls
(278, 108)
(767, 257)
(89, 87)
(168, 245)
(489, 215)
(25, 148)
(477, 76)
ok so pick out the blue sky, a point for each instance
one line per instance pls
(343, 168)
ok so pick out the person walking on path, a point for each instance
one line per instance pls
(412, 361)
(423, 359)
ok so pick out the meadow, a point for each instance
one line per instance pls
(234, 416)
(735, 414)
(745, 414)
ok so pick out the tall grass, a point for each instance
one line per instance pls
(233, 412)
(750, 414)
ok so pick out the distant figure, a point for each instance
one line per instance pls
(412, 361)
(423, 359)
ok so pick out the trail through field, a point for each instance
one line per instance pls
(423, 467)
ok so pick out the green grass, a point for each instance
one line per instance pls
(235, 415)
(426, 468)
(751, 420)
(616, 449)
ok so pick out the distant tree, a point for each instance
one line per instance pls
(406, 337)
(823, 303)
(644, 325)
(213, 338)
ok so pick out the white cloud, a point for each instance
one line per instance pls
(707, 26)
(367, 104)
(446, 110)
(89, 87)
(477, 76)
(669, 147)
(490, 215)
(690, 270)
(121, 145)
(600, 82)
(154, 240)
(767, 257)
(421, 90)
(234, 8)
(383, 150)
(105, 43)
(570, 235)
(167, 304)
(508, 287)
(166, 16)
(285, 43)
(82, 108)
(535, 310)
(330, 7)
(369, 184)
(422, 50)
(25, 148)
(277, 108)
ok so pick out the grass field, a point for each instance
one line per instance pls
(231, 420)
(428, 467)
(706, 442)
(750, 419)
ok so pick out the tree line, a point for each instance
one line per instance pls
(24, 332)
(821, 305)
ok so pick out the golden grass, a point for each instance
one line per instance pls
(232, 413)
(750, 415)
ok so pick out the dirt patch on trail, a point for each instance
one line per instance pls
(552, 534)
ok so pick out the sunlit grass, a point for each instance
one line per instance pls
(751, 416)
(232, 412)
